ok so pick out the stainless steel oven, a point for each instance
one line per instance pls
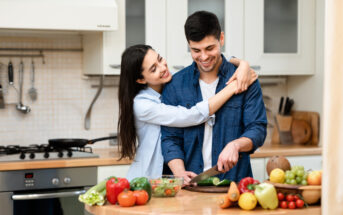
(45, 191)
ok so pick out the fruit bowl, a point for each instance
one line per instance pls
(166, 186)
(310, 193)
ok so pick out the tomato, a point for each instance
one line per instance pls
(280, 196)
(168, 192)
(296, 197)
(291, 205)
(176, 188)
(290, 197)
(126, 199)
(283, 204)
(142, 197)
(299, 203)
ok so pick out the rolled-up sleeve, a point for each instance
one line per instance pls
(151, 111)
(254, 116)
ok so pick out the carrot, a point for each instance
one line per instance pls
(233, 192)
(224, 201)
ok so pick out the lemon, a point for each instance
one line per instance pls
(277, 175)
(247, 201)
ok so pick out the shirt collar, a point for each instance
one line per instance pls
(222, 70)
(152, 92)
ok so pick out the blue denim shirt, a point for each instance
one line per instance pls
(243, 115)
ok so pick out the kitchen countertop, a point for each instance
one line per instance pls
(109, 156)
(187, 202)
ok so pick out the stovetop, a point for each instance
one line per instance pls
(12, 153)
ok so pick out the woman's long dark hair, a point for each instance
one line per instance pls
(131, 70)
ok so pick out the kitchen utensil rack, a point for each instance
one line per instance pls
(39, 50)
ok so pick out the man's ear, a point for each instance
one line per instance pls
(141, 81)
(221, 40)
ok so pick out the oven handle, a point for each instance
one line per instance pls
(47, 195)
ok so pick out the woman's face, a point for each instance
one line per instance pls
(155, 71)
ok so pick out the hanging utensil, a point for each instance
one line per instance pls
(22, 108)
(2, 100)
(33, 91)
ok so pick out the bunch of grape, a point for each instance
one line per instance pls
(297, 175)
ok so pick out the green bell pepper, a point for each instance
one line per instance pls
(141, 183)
(266, 196)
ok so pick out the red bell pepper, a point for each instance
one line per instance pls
(247, 185)
(114, 186)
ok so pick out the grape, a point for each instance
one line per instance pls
(291, 175)
(298, 179)
(303, 182)
(293, 181)
(288, 181)
(300, 173)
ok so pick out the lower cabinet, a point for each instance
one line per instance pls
(115, 170)
(310, 162)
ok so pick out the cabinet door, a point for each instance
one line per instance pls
(258, 169)
(279, 36)
(178, 55)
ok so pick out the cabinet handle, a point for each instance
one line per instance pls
(178, 67)
(115, 66)
(47, 195)
(255, 67)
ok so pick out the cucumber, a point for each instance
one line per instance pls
(211, 181)
(224, 182)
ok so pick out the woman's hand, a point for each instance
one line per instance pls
(244, 75)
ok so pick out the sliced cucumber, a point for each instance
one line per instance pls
(209, 181)
(224, 182)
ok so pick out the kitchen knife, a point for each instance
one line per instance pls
(208, 173)
(2, 100)
(280, 105)
(286, 106)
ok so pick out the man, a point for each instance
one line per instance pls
(239, 127)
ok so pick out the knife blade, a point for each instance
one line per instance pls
(280, 105)
(204, 175)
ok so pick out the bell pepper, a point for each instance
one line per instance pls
(141, 183)
(247, 185)
(114, 186)
(266, 196)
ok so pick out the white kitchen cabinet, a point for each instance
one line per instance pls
(139, 22)
(115, 170)
(258, 168)
(178, 54)
(279, 36)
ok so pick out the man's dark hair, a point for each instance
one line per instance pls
(201, 24)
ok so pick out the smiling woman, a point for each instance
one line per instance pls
(141, 112)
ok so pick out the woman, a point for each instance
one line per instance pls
(141, 113)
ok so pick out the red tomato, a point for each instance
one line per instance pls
(299, 203)
(280, 196)
(291, 205)
(168, 192)
(290, 197)
(296, 197)
(126, 199)
(142, 197)
(283, 204)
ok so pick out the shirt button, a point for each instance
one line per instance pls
(188, 105)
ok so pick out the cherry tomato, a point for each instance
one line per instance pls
(299, 203)
(291, 205)
(142, 197)
(168, 192)
(283, 204)
(280, 196)
(296, 197)
(126, 199)
(290, 197)
(176, 188)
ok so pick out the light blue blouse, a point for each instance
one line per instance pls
(150, 114)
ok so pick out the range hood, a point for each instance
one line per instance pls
(74, 15)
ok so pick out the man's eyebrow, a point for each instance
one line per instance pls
(158, 56)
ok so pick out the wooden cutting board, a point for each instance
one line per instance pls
(207, 189)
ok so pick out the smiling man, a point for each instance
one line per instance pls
(239, 127)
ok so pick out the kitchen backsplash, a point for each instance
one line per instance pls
(64, 95)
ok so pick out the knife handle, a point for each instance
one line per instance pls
(280, 105)
(10, 73)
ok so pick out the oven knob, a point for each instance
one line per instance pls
(32, 155)
(46, 155)
(67, 180)
(60, 154)
(22, 156)
(70, 153)
(55, 181)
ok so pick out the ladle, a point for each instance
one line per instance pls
(22, 108)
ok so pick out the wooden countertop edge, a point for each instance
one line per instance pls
(293, 151)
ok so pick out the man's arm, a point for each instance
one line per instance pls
(177, 166)
(255, 129)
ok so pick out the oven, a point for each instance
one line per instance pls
(45, 191)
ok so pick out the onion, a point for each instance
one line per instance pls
(278, 162)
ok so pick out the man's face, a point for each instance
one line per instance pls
(206, 53)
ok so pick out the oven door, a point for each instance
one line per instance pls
(45, 202)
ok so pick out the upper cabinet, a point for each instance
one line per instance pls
(279, 36)
(139, 22)
(178, 54)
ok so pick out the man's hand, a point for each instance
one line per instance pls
(228, 158)
(187, 177)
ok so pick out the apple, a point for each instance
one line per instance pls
(314, 178)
